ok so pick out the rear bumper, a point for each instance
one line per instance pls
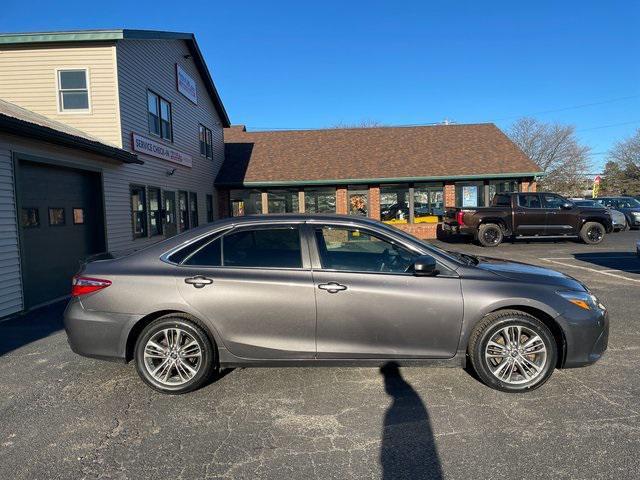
(97, 334)
(454, 228)
(587, 338)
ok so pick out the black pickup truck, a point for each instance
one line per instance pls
(528, 215)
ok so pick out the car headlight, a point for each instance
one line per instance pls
(636, 214)
(584, 300)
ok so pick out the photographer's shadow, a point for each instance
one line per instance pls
(408, 449)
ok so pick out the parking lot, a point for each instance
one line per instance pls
(64, 416)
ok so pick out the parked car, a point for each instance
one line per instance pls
(627, 205)
(285, 290)
(618, 219)
(518, 215)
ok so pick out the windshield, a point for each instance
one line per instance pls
(588, 203)
(628, 203)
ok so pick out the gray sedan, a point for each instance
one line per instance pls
(328, 290)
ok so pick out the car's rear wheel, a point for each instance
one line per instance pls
(490, 235)
(512, 351)
(174, 355)
(592, 233)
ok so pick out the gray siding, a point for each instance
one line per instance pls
(150, 64)
(10, 278)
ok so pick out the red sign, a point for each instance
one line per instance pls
(597, 179)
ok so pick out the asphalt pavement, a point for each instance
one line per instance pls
(67, 417)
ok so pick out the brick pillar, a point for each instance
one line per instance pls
(374, 202)
(224, 200)
(524, 186)
(341, 201)
(301, 205)
(449, 195)
(533, 186)
(264, 198)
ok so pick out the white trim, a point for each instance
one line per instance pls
(87, 73)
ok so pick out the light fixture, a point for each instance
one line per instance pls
(170, 172)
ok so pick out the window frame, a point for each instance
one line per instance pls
(207, 133)
(73, 215)
(145, 212)
(529, 208)
(64, 216)
(59, 90)
(192, 223)
(158, 102)
(159, 210)
(186, 225)
(209, 205)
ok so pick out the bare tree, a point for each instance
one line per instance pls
(556, 150)
(622, 172)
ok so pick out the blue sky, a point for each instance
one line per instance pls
(313, 65)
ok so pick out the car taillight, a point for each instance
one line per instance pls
(460, 218)
(84, 285)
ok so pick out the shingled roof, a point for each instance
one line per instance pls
(365, 155)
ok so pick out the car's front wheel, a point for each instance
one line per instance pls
(512, 351)
(592, 233)
(174, 355)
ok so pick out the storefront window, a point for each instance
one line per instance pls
(320, 200)
(470, 194)
(502, 186)
(428, 203)
(245, 202)
(155, 213)
(139, 211)
(358, 201)
(193, 209)
(282, 201)
(183, 210)
(394, 203)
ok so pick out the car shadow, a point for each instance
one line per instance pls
(20, 330)
(623, 261)
(408, 447)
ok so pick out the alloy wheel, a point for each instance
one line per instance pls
(172, 356)
(491, 235)
(594, 234)
(516, 354)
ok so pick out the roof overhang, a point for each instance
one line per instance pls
(125, 34)
(385, 180)
(38, 132)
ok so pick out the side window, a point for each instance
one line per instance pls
(269, 247)
(73, 91)
(210, 255)
(501, 200)
(529, 200)
(352, 250)
(553, 201)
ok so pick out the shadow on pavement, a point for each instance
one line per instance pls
(18, 331)
(623, 261)
(408, 448)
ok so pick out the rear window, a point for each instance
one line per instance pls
(501, 200)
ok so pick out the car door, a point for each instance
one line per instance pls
(559, 221)
(529, 216)
(369, 306)
(254, 285)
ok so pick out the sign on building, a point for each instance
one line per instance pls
(186, 84)
(156, 149)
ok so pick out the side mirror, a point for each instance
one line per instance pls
(567, 206)
(425, 266)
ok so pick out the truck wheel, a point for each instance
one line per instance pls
(592, 233)
(490, 235)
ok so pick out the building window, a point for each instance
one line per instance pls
(183, 210)
(193, 209)
(501, 186)
(78, 216)
(73, 91)
(155, 211)
(139, 212)
(56, 217)
(358, 199)
(245, 202)
(209, 208)
(320, 200)
(30, 218)
(470, 194)
(394, 203)
(282, 201)
(428, 203)
(206, 142)
(159, 110)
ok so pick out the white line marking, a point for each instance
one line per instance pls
(591, 270)
(621, 271)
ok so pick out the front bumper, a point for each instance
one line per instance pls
(97, 334)
(587, 337)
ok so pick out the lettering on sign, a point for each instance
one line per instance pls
(156, 149)
(186, 84)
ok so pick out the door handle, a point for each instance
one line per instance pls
(198, 281)
(552, 213)
(332, 287)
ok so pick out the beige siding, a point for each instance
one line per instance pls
(28, 79)
(150, 64)
(10, 277)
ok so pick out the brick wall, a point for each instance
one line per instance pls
(533, 186)
(420, 230)
(449, 195)
(374, 202)
(341, 200)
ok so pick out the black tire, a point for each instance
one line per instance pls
(206, 364)
(488, 328)
(490, 235)
(592, 233)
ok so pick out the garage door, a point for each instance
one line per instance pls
(61, 223)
